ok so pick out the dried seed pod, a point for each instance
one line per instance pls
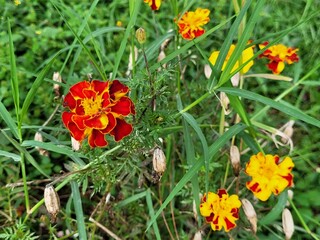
(42, 152)
(287, 223)
(75, 144)
(235, 159)
(250, 213)
(159, 160)
(56, 87)
(141, 35)
(52, 202)
(207, 71)
(198, 236)
(224, 101)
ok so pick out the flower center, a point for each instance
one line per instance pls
(92, 105)
(267, 171)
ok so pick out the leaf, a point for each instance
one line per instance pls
(5, 115)
(285, 108)
(15, 157)
(151, 213)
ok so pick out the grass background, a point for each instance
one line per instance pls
(83, 38)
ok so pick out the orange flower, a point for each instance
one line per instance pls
(268, 175)
(190, 24)
(278, 56)
(154, 4)
(98, 108)
(220, 210)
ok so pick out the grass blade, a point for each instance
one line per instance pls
(5, 115)
(151, 213)
(78, 209)
(14, 77)
(15, 157)
(285, 108)
(213, 149)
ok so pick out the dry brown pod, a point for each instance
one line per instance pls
(159, 160)
(52, 202)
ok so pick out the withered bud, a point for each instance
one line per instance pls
(290, 196)
(197, 236)
(141, 35)
(161, 56)
(75, 144)
(224, 101)
(250, 213)
(52, 202)
(288, 131)
(287, 223)
(42, 152)
(159, 160)
(235, 160)
(207, 71)
(56, 87)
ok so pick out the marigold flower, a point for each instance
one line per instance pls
(98, 108)
(268, 175)
(245, 56)
(278, 56)
(154, 4)
(220, 210)
(190, 24)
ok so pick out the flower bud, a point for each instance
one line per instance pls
(42, 152)
(75, 144)
(235, 159)
(197, 236)
(56, 87)
(290, 196)
(250, 213)
(52, 202)
(159, 160)
(287, 223)
(141, 35)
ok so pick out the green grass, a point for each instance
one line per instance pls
(114, 191)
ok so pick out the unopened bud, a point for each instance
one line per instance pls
(56, 87)
(141, 35)
(52, 202)
(287, 223)
(290, 196)
(159, 160)
(42, 152)
(207, 71)
(224, 101)
(235, 160)
(197, 236)
(75, 144)
(250, 213)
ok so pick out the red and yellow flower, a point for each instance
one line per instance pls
(269, 175)
(190, 24)
(245, 56)
(278, 56)
(98, 108)
(220, 210)
(154, 4)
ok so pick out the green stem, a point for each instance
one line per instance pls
(196, 102)
(25, 186)
(305, 226)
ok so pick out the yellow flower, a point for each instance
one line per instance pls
(220, 210)
(278, 56)
(154, 4)
(17, 2)
(190, 24)
(268, 175)
(245, 56)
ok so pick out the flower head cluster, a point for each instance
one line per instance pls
(269, 175)
(190, 24)
(278, 56)
(220, 210)
(98, 108)
(245, 56)
(154, 4)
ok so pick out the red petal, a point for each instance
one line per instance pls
(76, 133)
(117, 90)
(77, 89)
(222, 192)
(254, 187)
(122, 107)
(69, 101)
(121, 130)
(106, 100)
(198, 33)
(99, 86)
(89, 93)
(97, 122)
(229, 224)
(210, 218)
(96, 139)
(111, 125)
(79, 120)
